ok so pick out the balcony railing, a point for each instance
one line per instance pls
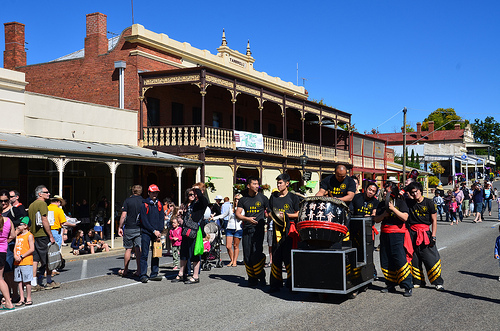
(223, 139)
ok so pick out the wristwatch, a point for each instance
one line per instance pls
(21, 256)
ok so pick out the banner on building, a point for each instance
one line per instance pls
(249, 141)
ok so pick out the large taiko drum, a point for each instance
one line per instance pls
(322, 220)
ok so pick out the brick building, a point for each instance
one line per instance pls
(192, 103)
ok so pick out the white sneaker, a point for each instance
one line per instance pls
(439, 287)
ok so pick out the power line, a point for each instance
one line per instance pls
(389, 118)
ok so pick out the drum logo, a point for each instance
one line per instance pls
(370, 205)
(424, 209)
(342, 186)
(258, 204)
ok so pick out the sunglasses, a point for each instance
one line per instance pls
(191, 195)
(5, 201)
(45, 192)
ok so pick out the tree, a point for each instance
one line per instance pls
(437, 168)
(441, 117)
(487, 132)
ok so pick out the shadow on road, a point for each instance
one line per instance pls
(478, 274)
(472, 296)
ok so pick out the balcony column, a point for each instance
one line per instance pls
(203, 140)
(260, 118)
(283, 115)
(303, 119)
(335, 142)
(112, 169)
(179, 171)
(320, 137)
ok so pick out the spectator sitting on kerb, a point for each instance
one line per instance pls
(95, 243)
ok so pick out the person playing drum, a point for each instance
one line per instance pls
(285, 209)
(339, 185)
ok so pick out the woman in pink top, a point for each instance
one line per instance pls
(7, 234)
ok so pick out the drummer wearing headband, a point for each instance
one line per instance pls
(338, 186)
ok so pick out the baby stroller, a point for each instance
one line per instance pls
(212, 257)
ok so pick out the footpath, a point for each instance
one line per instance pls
(67, 251)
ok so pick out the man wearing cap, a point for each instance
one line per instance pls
(56, 218)
(151, 224)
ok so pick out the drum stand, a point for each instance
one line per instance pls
(337, 270)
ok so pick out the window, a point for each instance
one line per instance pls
(177, 113)
(153, 111)
(256, 126)
(271, 130)
(240, 123)
(217, 120)
(196, 116)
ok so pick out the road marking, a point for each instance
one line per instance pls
(83, 275)
(441, 248)
(73, 297)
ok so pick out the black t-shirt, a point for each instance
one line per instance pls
(95, 239)
(288, 204)
(420, 212)
(338, 189)
(254, 207)
(361, 207)
(132, 205)
(392, 219)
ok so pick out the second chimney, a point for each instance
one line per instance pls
(96, 41)
(15, 53)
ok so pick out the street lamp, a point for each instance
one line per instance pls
(303, 162)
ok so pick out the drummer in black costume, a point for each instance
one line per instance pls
(285, 205)
(338, 186)
(423, 216)
(395, 242)
(365, 204)
(254, 204)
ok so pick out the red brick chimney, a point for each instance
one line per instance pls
(15, 53)
(457, 126)
(96, 42)
(431, 128)
(419, 128)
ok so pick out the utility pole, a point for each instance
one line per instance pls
(404, 144)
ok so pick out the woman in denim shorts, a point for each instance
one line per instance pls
(233, 234)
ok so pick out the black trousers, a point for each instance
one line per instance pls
(253, 256)
(282, 254)
(429, 257)
(393, 261)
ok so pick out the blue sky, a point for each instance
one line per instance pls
(367, 58)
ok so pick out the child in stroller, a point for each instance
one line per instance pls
(213, 235)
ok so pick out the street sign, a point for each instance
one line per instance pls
(307, 176)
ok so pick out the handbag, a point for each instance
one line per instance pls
(198, 246)
(189, 228)
(54, 257)
(157, 249)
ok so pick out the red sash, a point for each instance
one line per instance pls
(385, 228)
(421, 230)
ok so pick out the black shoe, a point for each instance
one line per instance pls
(388, 289)
(178, 279)
(408, 292)
(144, 279)
(252, 283)
(192, 280)
(262, 282)
(157, 278)
(273, 289)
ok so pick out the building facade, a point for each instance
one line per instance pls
(214, 108)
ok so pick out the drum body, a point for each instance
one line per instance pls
(322, 220)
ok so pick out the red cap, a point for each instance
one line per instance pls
(153, 188)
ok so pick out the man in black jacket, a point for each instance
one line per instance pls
(151, 223)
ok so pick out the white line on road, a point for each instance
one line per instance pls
(441, 248)
(74, 297)
(84, 269)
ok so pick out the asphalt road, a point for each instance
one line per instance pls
(93, 296)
